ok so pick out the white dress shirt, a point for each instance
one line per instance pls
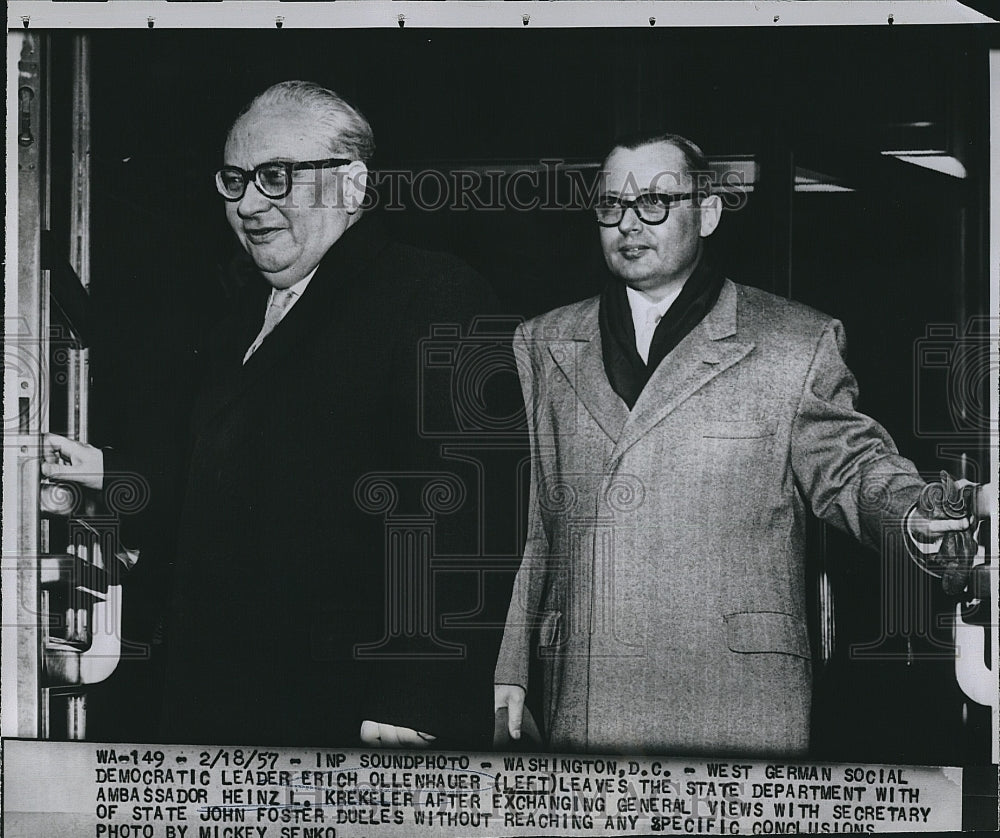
(646, 315)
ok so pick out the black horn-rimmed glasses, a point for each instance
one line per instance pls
(650, 207)
(272, 179)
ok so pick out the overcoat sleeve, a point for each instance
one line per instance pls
(845, 463)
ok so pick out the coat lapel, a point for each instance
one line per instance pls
(709, 350)
(342, 276)
(581, 360)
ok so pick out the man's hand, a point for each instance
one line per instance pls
(378, 735)
(72, 462)
(932, 529)
(510, 696)
(942, 527)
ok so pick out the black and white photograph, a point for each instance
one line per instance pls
(500, 418)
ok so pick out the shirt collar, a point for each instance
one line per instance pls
(644, 309)
(298, 289)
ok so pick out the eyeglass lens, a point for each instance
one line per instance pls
(271, 178)
(650, 207)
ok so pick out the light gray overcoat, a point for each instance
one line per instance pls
(662, 582)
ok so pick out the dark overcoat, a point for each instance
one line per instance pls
(281, 569)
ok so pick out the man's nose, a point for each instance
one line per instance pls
(630, 222)
(252, 201)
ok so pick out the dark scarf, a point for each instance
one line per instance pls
(625, 370)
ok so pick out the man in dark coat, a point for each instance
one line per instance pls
(302, 611)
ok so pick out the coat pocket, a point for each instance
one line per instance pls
(548, 631)
(754, 632)
(739, 429)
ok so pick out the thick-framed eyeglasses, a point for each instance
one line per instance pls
(650, 207)
(273, 180)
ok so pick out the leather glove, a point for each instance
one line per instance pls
(953, 561)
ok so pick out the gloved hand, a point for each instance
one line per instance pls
(945, 499)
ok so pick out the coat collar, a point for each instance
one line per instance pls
(342, 278)
(708, 350)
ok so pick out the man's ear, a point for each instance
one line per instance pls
(711, 215)
(355, 180)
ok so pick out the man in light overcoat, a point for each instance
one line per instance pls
(682, 428)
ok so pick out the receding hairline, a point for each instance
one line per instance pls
(283, 106)
(337, 123)
(312, 131)
(623, 147)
